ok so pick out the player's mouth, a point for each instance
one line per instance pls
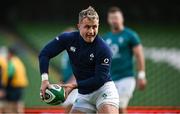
(90, 36)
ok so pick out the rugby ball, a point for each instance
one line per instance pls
(54, 95)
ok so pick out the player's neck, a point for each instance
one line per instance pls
(117, 30)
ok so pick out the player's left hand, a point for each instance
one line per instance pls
(141, 84)
(68, 88)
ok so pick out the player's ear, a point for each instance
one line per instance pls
(78, 25)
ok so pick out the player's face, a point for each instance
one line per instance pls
(88, 29)
(115, 20)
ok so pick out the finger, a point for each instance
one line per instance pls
(49, 86)
(67, 92)
(43, 93)
(64, 85)
(41, 96)
(60, 84)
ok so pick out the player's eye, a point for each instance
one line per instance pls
(87, 27)
(94, 27)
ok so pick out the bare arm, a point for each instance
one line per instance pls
(139, 55)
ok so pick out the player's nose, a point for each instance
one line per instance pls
(91, 31)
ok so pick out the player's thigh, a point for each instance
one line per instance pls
(83, 105)
(108, 109)
(125, 89)
(107, 98)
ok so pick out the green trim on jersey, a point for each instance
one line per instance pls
(122, 44)
(11, 69)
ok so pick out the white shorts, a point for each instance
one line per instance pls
(71, 98)
(89, 103)
(125, 87)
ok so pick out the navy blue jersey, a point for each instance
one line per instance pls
(90, 62)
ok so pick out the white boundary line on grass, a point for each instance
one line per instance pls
(170, 56)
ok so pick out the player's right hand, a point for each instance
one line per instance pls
(141, 83)
(44, 85)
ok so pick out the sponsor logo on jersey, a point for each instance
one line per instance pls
(105, 61)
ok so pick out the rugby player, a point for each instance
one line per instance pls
(125, 44)
(90, 58)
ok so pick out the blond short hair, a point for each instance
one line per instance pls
(89, 13)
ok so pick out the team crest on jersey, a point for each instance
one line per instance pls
(114, 49)
(108, 41)
(72, 48)
(120, 40)
(104, 95)
(91, 56)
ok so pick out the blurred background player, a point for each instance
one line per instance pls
(68, 76)
(15, 83)
(3, 74)
(125, 44)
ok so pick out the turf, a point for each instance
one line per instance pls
(163, 80)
